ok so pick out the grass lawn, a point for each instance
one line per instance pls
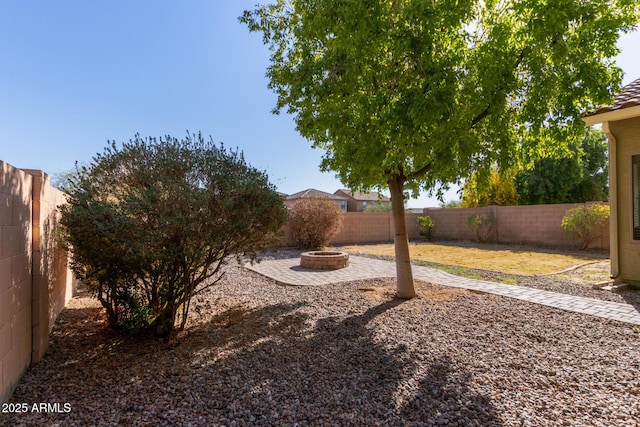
(510, 259)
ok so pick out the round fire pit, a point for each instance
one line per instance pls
(324, 260)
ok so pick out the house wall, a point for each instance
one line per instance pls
(35, 282)
(353, 205)
(627, 133)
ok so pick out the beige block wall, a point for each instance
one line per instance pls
(15, 276)
(538, 225)
(627, 133)
(35, 281)
(364, 227)
(451, 224)
(53, 281)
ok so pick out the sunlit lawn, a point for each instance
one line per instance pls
(508, 259)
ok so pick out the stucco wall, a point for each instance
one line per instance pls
(627, 133)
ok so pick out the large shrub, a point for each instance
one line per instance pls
(313, 222)
(586, 222)
(151, 223)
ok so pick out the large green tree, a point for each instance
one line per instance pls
(580, 176)
(415, 94)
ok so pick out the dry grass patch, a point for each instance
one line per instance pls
(504, 258)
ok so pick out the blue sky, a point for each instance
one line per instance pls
(76, 74)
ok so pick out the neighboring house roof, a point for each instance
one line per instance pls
(625, 105)
(364, 197)
(312, 193)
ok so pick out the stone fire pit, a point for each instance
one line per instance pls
(324, 260)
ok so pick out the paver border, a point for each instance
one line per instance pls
(287, 271)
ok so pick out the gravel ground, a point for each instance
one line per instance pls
(349, 354)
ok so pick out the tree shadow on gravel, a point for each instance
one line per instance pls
(334, 371)
(270, 366)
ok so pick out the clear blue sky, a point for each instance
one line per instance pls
(76, 74)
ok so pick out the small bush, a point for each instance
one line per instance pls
(481, 226)
(313, 222)
(586, 222)
(427, 227)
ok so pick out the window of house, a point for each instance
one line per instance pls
(343, 205)
(635, 185)
(364, 206)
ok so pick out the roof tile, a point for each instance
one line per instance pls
(629, 97)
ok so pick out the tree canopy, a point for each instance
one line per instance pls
(415, 94)
(499, 191)
(579, 177)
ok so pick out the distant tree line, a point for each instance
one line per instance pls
(575, 176)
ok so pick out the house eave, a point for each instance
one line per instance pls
(612, 116)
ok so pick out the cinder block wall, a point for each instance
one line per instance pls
(538, 224)
(360, 227)
(35, 282)
(451, 224)
(53, 282)
(364, 227)
(15, 276)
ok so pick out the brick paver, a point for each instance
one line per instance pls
(288, 272)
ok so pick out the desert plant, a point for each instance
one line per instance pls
(313, 222)
(150, 224)
(481, 225)
(427, 227)
(586, 222)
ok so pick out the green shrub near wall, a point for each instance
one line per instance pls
(586, 222)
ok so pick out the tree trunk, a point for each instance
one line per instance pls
(162, 325)
(404, 274)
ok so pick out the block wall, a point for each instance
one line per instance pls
(15, 276)
(538, 225)
(364, 227)
(35, 282)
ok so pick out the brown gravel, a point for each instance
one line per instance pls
(345, 354)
